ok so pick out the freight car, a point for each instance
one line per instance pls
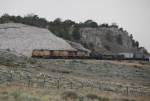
(60, 54)
(100, 56)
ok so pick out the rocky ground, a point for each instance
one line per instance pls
(26, 79)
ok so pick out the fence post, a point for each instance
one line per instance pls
(127, 90)
(11, 75)
(82, 85)
(44, 80)
(100, 88)
(21, 76)
(29, 80)
(71, 85)
(58, 84)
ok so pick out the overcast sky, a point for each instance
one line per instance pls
(132, 15)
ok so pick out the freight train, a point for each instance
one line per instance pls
(73, 54)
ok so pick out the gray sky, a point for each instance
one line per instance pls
(132, 15)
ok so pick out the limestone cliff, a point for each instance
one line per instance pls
(104, 39)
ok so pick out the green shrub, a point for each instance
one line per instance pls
(92, 96)
(4, 98)
(16, 94)
(95, 97)
(29, 98)
(104, 99)
(69, 95)
(127, 100)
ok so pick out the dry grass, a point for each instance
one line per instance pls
(87, 71)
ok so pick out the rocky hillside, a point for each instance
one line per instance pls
(23, 39)
(104, 39)
(94, 36)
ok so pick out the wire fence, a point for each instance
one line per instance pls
(46, 81)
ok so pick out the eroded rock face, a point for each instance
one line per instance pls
(106, 39)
